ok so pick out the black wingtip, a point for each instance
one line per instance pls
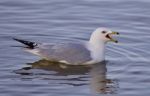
(16, 39)
(29, 44)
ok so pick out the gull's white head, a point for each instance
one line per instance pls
(103, 35)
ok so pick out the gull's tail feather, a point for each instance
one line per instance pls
(29, 44)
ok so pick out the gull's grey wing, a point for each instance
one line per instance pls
(71, 53)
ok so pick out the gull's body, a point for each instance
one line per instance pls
(89, 52)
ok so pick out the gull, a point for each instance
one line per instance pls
(83, 53)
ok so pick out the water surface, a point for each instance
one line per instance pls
(125, 72)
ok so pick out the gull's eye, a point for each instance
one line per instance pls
(103, 32)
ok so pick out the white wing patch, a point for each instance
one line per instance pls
(64, 61)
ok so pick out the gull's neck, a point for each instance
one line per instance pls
(97, 48)
(96, 41)
(97, 44)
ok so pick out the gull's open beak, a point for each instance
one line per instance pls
(109, 36)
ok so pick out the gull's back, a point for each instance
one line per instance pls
(71, 53)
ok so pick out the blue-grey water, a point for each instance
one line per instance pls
(126, 71)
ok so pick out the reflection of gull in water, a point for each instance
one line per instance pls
(99, 82)
(74, 75)
(89, 52)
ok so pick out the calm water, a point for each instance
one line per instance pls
(126, 71)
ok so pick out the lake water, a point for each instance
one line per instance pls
(126, 71)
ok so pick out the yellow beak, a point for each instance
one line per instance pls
(112, 39)
(116, 33)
